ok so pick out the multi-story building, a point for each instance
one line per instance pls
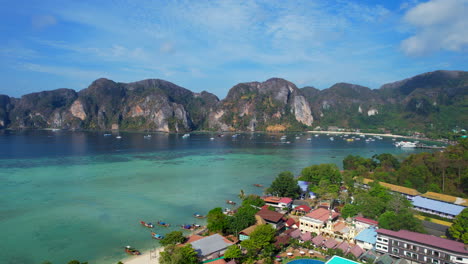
(420, 248)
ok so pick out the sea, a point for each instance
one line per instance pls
(68, 195)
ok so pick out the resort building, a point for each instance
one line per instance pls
(278, 202)
(420, 248)
(210, 247)
(435, 207)
(301, 210)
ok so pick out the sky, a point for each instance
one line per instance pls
(213, 45)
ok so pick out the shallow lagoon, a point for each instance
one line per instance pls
(81, 195)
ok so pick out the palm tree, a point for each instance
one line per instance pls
(241, 194)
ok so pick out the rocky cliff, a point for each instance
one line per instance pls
(438, 98)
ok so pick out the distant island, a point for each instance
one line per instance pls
(433, 103)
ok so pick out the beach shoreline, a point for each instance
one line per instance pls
(148, 257)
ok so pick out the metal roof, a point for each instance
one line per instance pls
(210, 244)
(368, 235)
(442, 207)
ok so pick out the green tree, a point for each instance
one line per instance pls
(284, 185)
(387, 161)
(173, 254)
(459, 228)
(260, 238)
(233, 252)
(174, 237)
(216, 220)
(254, 200)
(315, 173)
(349, 210)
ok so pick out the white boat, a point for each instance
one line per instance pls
(309, 139)
(283, 138)
(186, 136)
(107, 135)
(405, 144)
(316, 135)
(212, 138)
(118, 137)
(331, 138)
(147, 136)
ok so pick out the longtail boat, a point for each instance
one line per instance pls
(149, 225)
(157, 236)
(131, 251)
(163, 224)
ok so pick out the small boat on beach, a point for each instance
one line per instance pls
(190, 227)
(132, 251)
(257, 185)
(147, 136)
(186, 136)
(149, 225)
(118, 137)
(157, 236)
(197, 215)
(163, 224)
(230, 202)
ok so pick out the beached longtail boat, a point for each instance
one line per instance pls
(190, 227)
(131, 251)
(230, 202)
(149, 225)
(163, 224)
(156, 236)
(258, 185)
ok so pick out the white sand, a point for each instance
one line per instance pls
(149, 257)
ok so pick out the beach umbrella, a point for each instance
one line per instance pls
(302, 252)
(311, 252)
(290, 253)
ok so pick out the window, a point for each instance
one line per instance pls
(435, 253)
(459, 259)
(414, 256)
(395, 243)
(395, 250)
(435, 261)
(408, 254)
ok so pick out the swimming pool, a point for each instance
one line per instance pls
(306, 261)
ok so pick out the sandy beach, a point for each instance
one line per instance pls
(148, 257)
(358, 133)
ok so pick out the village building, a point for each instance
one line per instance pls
(420, 248)
(366, 238)
(409, 193)
(446, 198)
(245, 234)
(434, 207)
(278, 202)
(362, 223)
(272, 217)
(301, 210)
(210, 247)
(317, 220)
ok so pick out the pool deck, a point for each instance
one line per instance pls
(296, 254)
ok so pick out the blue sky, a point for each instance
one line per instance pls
(213, 45)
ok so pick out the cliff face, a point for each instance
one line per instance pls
(156, 105)
(262, 106)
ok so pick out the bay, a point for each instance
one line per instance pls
(80, 195)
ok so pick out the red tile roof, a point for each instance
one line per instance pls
(330, 243)
(290, 222)
(303, 208)
(286, 200)
(343, 246)
(366, 220)
(322, 214)
(429, 240)
(271, 216)
(356, 251)
(193, 238)
(318, 240)
(307, 236)
(296, 233)
(218, 261)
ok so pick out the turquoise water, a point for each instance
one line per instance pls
(306, 261)
(80, 195)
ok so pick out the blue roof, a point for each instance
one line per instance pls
(442, 207)
(303, 185)
(368, 235)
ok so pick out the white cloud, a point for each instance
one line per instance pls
(44, 21)
(439, 25)
(62, 71)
